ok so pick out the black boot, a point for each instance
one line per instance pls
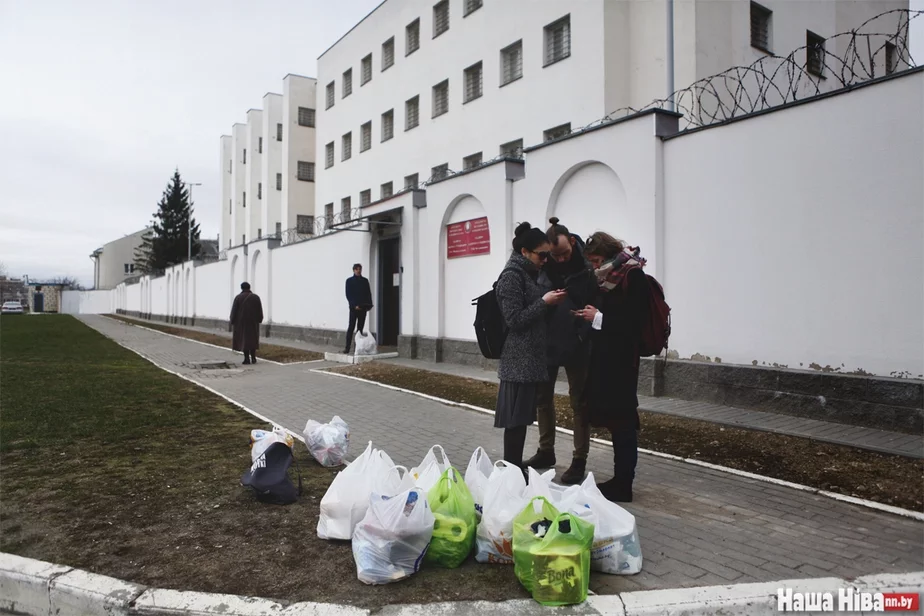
(575, 473)
(542, 460)
(246, 359)
(625, 458)
(616, 490)
(253, 357)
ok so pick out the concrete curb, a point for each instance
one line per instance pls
(35, 587)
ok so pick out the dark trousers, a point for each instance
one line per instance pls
(357, 322)
(625, 454)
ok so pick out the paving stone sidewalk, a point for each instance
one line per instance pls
(697, 526)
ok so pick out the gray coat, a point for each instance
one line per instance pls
(520, 299)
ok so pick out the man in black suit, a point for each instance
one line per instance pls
(359, 297)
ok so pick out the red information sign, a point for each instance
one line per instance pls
(464, 239)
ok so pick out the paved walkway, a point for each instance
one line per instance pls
(697, 526)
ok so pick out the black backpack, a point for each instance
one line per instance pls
(269, 476)
(490, 329)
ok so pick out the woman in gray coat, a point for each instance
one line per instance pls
(522, 363)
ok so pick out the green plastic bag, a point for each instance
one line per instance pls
(454, 527)
(551, 553)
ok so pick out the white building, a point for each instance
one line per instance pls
(114, 262)
(267, 167)
(421, 87)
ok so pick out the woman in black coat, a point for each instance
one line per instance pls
(523, 362)
(611, 391)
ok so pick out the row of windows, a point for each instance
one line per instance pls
(305, 173)
(556, 47)
(306, 117)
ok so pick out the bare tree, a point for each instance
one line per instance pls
(69, 282)
(2, 269)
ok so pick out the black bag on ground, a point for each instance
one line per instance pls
(490, 329)
(269, 476)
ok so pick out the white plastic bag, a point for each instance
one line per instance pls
(365, 343)
(394, 482)
(347, 499)
(540, 484)
(616, 548)
(260, 440)
(476, 477)
(504, 499)
(391, 540)
(429, 471)
(328, 443)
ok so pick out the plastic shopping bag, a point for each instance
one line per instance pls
(347, 499)
(365, 343)
(552, 553)
(504, 499)
(260, 440)
(328, 443)
(454, 521)
(390, 542)
(476, 477)
(430, 469)
(616, 547)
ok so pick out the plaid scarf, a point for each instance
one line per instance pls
(613, 273)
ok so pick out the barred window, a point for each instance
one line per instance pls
(329, 155)
(558, 40)
(245, 156)
(366, 70)
(441, 98)
(244, 200)
(388, 125)
(512, 149)
(388, 53)
(440, 17)
(761, 22)
(328, 215)
(471, 6)
(346, 148)
(260, 145)
(279, 228)
(387, 190)
(278, 181)
(440, 171)
(814, 54)
(365, 198)
(346, 209)
(412, 113)
(306, 117)
(891, 58)
(412, 37)
(365, 136)
(259, 233)
(557, 133)
(512, 62)
(279, 132)
(305, 171)
(330, 95)
(471, 161)
(473, 79)
(303, 225)
(347, 83)
(410, 181)
(259, 190)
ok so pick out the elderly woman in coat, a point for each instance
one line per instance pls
(246, 316)
(523, 359)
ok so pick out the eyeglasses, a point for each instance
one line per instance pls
(544, 255)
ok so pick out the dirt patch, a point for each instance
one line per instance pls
(272, 352)
(889, 479)
(119, 468)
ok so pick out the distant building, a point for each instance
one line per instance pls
(115, 262)
(45, 296)
(13, 289)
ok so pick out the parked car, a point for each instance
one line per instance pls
(11, 308)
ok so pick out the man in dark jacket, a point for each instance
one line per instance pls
(246, 316)
(359, 297)
(567, 346)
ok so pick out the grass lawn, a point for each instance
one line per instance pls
(893, 480)
(112, 465)
(273, 352)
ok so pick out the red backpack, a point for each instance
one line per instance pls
(656, 328)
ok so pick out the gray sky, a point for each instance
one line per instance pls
(102, 100)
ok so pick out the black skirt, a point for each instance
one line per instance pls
(516, 404)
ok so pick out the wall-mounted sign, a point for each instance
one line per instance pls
(468, 238)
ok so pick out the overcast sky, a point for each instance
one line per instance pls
(100, 101)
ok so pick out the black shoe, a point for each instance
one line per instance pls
(253, 359)
(247, 362)
(542, 460)
(616, 491)
(575, 473)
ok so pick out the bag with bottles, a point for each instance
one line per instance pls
(390, 542)
(503, 500)
(551, 553)
(476, 477)
(454, 521)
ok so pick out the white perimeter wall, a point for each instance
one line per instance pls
(213, 290)
(796, 237)
(87, 302)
